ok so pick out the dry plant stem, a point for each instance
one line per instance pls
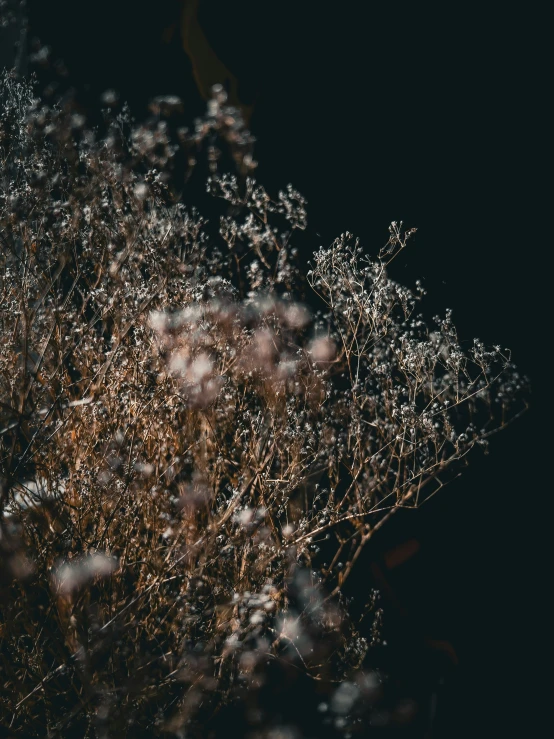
(192, 461)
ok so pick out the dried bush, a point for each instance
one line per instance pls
(192, 460)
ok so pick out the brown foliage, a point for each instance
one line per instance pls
(182, 441)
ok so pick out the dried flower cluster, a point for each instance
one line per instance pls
(191, 459)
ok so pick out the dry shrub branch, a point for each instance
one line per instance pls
(182, 442)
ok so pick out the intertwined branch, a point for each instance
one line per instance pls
(191, 460)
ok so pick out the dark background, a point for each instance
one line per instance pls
(430, 114)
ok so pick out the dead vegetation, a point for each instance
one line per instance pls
(191, 459)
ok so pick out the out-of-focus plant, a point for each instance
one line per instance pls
(182, 441)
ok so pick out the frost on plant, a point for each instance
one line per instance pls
(192, 457)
